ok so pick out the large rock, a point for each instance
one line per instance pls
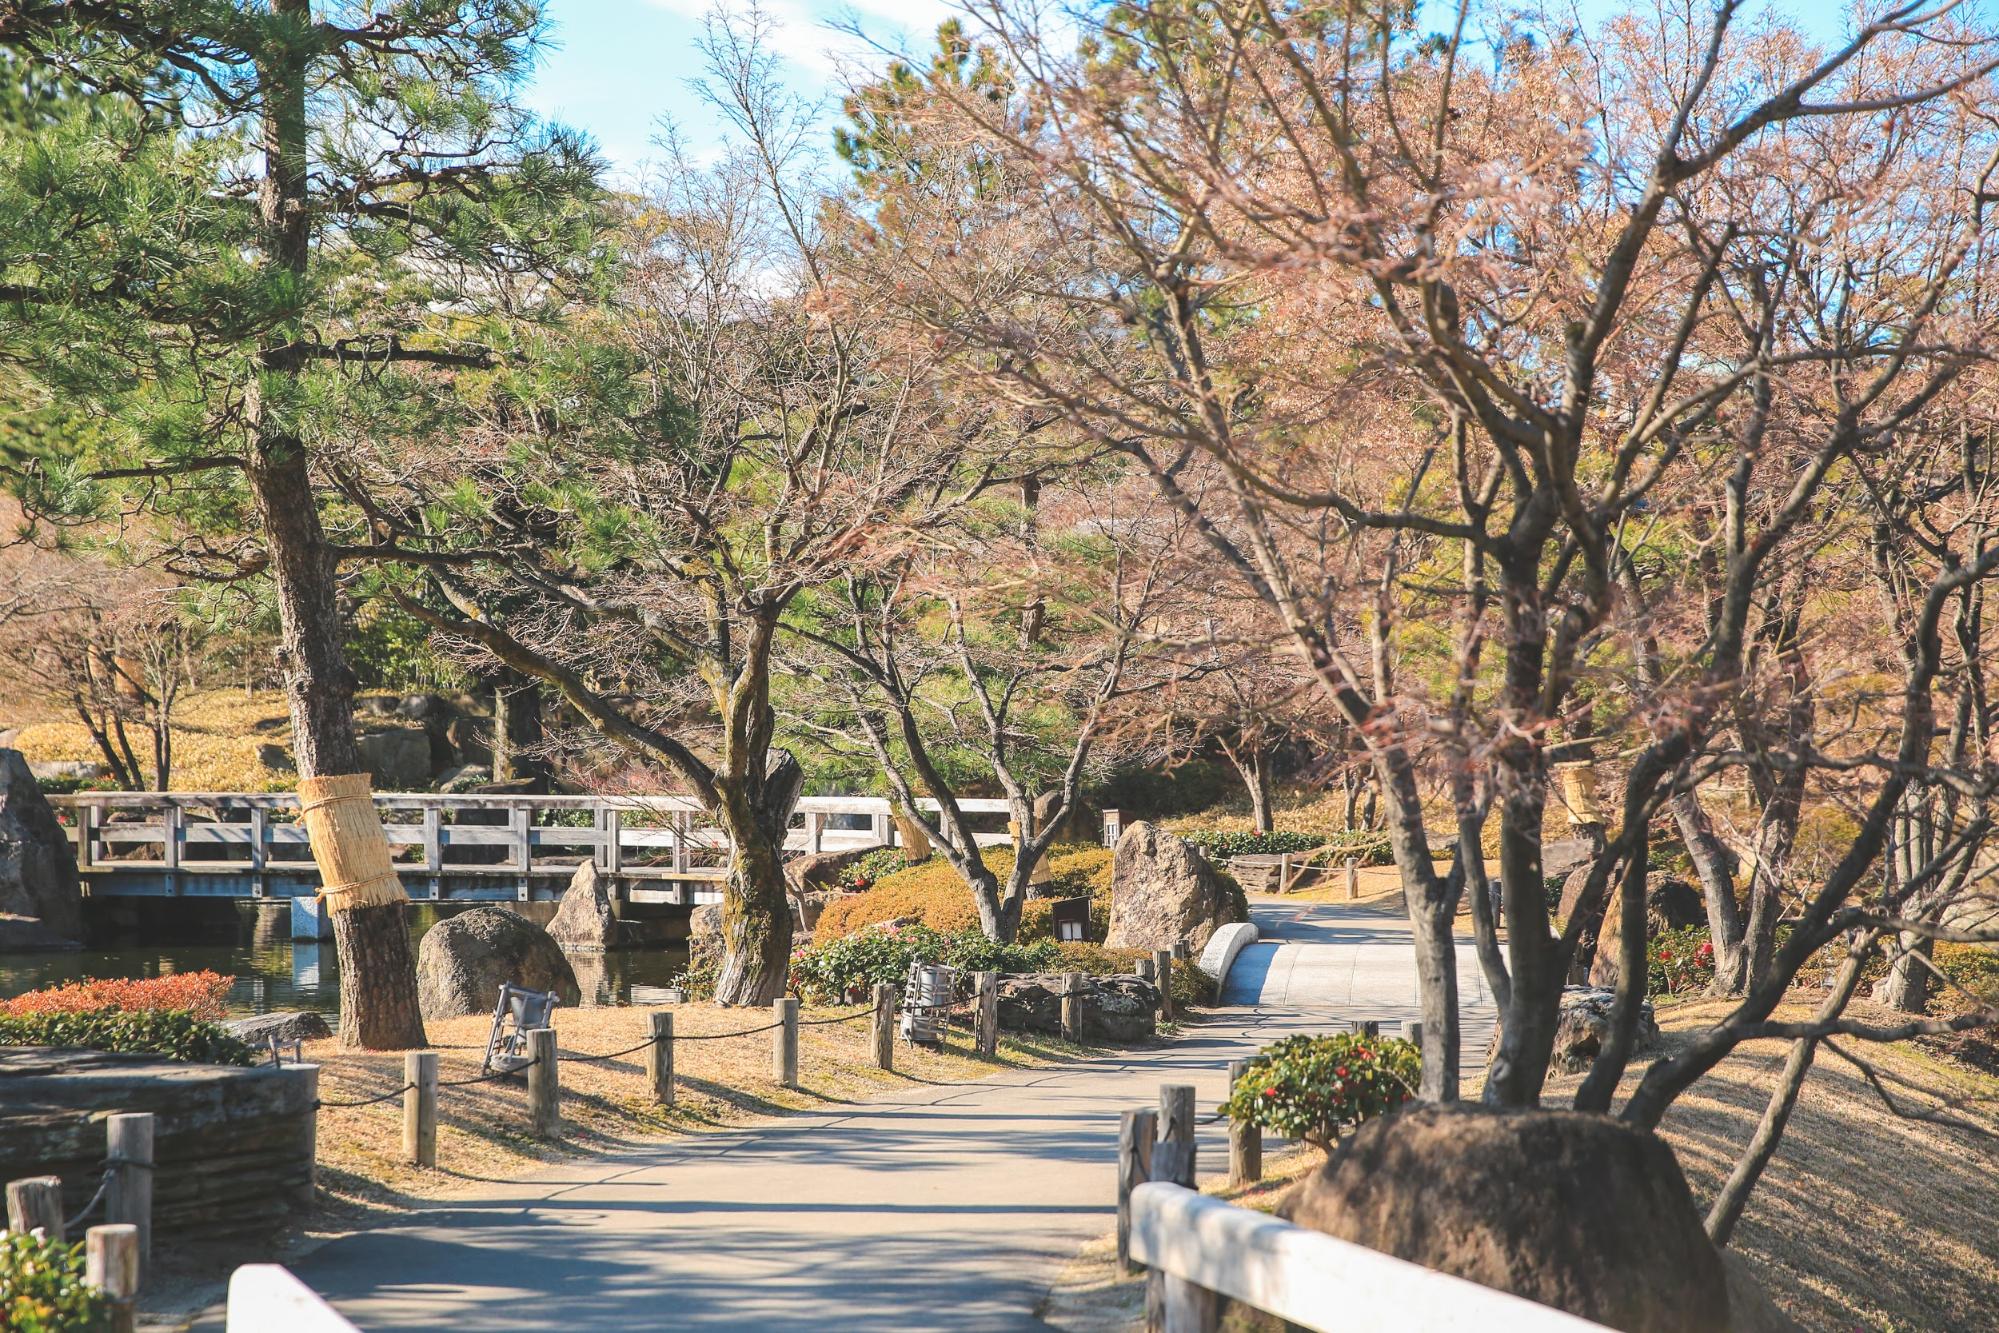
(398, 758)
(37, 862)
(1164, 891)
(1580, 1212)
(587, 920)
(288, 1025)
(1582, 1025)
(461, 963)
(24, 934)
(704, 935)
(1117, 1010)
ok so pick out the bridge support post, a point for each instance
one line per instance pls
(310, 920)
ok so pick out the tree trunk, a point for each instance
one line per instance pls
(378, 1008)
(1724, 915)
(517, 729)
(756, 909)
(1254, 769)
(1907, 985)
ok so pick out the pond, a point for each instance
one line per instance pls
(273, 976)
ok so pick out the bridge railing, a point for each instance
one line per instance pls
(258, 834)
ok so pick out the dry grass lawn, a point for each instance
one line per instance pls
(483, 1129)
(1866, 1219)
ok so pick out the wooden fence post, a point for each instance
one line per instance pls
(1147, 969)
(1370, 1027)
(111, 1264)
(659, 1056)
(1173, 1158)
(1413, 1031)
(884, 1027)
(420, 1108)
(544, 1088)
(36, 1201)
(128, 1156)
(1245, 1140)
(1072, 1006)
(1162, 966)
(1136, 1132)
(784, 1041)
(1353, 878)
(986, 1021)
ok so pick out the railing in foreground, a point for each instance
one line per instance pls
(266, 1297)
(1201, 1248)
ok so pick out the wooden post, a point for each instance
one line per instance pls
(1245, 1140)
(1148, 970)
(1182, 1306)
(174, 825)
(815, 832)
(986, 1023)
(659, 1055)
(1353, 878)
(36, 1201)
(111, 1264)
(544, 1091)
(1072, 1006)
(307, 1193)
(259, 835)
(1137, 1130)
(884, 1027)
(1173, 1158)
(1162, 966)
(128, 1156)
(784, 1041)
(1180, 951)
(1370, 1028)
(1284, 873)
(433, 840)
(420, 1108)
(614, 840)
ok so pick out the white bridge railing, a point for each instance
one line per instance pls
(257, 834)
(1201, 1249)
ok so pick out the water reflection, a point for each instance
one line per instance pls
(305, 975)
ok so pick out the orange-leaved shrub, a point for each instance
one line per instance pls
(931, 894)
(201, 994)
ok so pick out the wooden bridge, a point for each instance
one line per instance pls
(241, 845)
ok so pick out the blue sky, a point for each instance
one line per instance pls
(618, 66)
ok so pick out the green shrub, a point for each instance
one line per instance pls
(1190, 984)
(870, 869)
(1311, 1088)
(849, 967)
(1679, 962)
(1219, 845)
(42, 1288)
(174, 1033)
(1370, 847)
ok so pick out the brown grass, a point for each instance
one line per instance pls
(483, 1129)
(1865, 1220)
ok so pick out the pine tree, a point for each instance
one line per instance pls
(265, 224)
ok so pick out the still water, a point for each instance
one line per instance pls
(282, 975)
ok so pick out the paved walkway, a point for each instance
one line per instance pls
(942, 1207)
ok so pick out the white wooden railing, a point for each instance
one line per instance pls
(266, 1298)
(255, 834)
(1200, 1249)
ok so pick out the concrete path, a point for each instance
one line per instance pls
(941, 1207)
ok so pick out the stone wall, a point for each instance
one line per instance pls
(233, 1148)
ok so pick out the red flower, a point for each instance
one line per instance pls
(1665, 955)
(1341, 1071)
(1270, 1092)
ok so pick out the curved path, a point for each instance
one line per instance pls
(940, 1206)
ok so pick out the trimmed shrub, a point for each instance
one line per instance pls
(870, 869)
(174, 1033)
(1312, 1088)
(202, 994)
(42, 1288)
(931, 894)
(848, 968)
(1190, 984)
(1218, 845)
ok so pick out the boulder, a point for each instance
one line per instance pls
(1118, 1010)
(1164, 891)
(471, 740)
(465, 778)
(587, 920)
(704, 935)
(37, 863)
(275, 757)
(1583, 1024)
(398, 758)
(24, 934)
(461, 962)
(1674, 904)
(69, 770)
(288, 1025)
(1580, 1212)
(821, 870)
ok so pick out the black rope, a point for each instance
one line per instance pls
(722, 1036)
(103, 1187)
(366, 1101)
(844, 1018)
(480, 1078)
(608, 1055)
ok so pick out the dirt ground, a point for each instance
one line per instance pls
(1866, 1219)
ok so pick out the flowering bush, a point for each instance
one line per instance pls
(867, 872)
(200, 994)
(848, 968)
(42, 1288)
(1680, 962)
(174, 1033)
(1311, 1088)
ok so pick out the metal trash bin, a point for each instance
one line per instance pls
(926, 1002)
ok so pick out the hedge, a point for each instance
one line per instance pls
(932, 894)
(174, 1033)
